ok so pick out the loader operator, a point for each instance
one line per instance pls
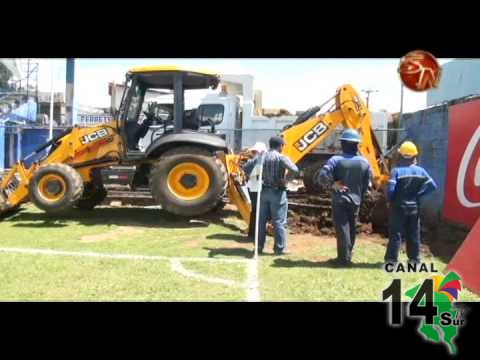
(350, 175)
(407, 185)
(273, 197)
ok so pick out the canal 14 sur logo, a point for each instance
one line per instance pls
(433, 302)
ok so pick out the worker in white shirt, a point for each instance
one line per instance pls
(253, 185)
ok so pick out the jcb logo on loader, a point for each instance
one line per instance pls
(94, 136)
(310, 136)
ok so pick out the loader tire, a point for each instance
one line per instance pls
(310, 174)
(188, 181)
(55, 188)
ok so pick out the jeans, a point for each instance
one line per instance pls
(344, 219)
(403, 221)
(274, 206)
(253, 214)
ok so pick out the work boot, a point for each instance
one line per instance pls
(280, 253)
(260, 252)
(339, 263)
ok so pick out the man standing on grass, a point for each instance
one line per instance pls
(273, 198)
(350, 175)
(407, 185)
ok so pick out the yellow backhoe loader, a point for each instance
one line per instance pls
(180, 166)
(189, 169)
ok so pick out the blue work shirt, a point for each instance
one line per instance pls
(351, 170)
(407, 184)
(274, 167)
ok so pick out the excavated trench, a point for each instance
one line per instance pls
(313, 214)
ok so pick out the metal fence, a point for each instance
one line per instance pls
(16, 142)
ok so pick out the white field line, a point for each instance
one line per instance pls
(251, 285)
(114, 256)
(253, 291)
(178, 267)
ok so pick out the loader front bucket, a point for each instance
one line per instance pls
(3, 204)
(14, 189)
(236, 191)
(5, 208)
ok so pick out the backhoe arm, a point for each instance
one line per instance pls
(302, 137)
(352, 113)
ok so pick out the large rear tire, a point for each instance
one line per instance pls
(188, 181)
(55, 188)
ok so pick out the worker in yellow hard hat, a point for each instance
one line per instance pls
(407, 185)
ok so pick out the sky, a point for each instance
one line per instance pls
(292, 84)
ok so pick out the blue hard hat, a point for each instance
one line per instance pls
(351, 135)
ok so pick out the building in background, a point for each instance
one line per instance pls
(460, 78)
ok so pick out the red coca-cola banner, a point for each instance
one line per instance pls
(462, 186)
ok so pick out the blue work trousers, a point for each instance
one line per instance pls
(404, 222)
(345, 218)
(274, 206)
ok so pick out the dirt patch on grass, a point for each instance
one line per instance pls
(195, 243)
(120, 232)
(306, 243)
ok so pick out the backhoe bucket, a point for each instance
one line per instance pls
(13, 189)
(236, 191)
(5, 208)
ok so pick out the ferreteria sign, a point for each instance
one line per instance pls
(93, 119)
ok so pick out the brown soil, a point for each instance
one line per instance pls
(305, 243)
(119, 232)
(313, 214)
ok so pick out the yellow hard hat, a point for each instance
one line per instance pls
(408, 150)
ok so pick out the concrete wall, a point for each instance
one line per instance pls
(429, 130)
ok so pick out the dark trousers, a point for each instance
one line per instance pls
(345, 219)
(253, 214)
(274, 206)
(404, 222)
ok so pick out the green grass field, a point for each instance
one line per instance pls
(302, 276)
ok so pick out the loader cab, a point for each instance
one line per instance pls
(143, 105)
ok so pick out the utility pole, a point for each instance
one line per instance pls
(368, 92)
(28, 74)
(52, 95)
(69, 91)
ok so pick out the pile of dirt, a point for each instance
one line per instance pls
(312, 214)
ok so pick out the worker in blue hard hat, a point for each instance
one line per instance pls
(407, 185)
(349, 174)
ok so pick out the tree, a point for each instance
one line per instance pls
(5, 75)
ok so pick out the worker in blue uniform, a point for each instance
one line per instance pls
(350, 174)
(273, 197)
(407, 185)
